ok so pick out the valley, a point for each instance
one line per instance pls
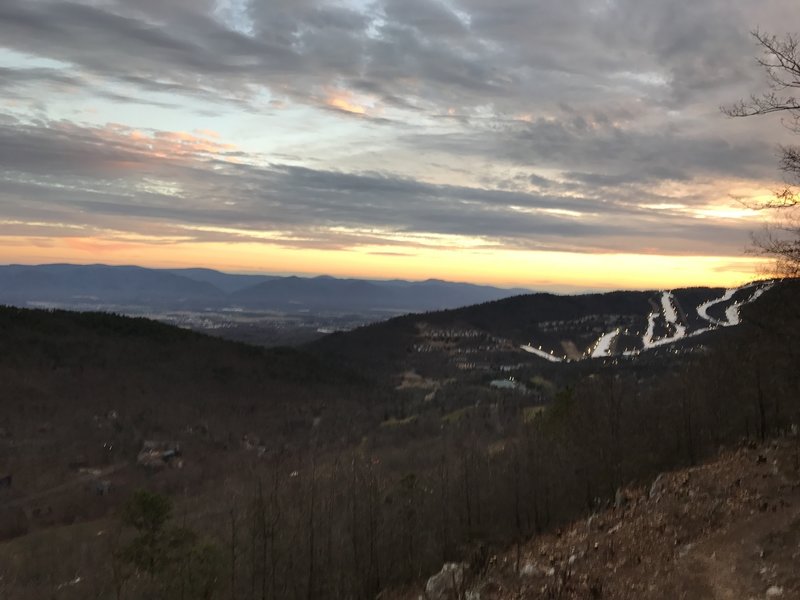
(399, 300)
(389, 449)
(258, 309)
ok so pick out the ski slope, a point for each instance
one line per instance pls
(702, 310)
(732, 312)
(647, 338)
(668, 307)
(671, 317)
(677, 328)
(541, 353)
(602, 348)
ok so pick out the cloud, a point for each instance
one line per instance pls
(511, 54)
(119, 178)
(562, 125)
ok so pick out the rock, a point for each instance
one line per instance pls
(595, 523)
(590, 523)
(529, 569)
(658, 486)
(774, 592)
(447, 583)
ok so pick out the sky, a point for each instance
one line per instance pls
(565, 146)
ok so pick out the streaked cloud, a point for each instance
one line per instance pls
(392, 125)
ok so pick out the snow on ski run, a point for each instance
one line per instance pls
(541, 353)
(668, 308)
(699, 331)
(603, 347)
(732, 315)
(757, 294)
(671, 316)
(647, 338)
(732, 312)
(702, 310)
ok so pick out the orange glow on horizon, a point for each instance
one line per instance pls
(506, 268)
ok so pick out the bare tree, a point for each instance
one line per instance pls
(781, 60)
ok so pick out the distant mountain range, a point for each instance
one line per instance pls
(103, 286)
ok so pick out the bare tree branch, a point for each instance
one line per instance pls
(781, 61)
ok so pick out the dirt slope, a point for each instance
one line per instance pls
(728, 529)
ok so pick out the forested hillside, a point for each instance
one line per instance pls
(282, 477)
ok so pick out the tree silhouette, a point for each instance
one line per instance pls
(781, 60)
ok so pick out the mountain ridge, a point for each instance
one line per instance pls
(543, 326)
(199, 288)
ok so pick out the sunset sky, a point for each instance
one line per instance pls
(566, 145)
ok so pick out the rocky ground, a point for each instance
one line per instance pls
(728, 529)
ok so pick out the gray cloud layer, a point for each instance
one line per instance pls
(509, 52)
(588, 107)
(55, 171)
